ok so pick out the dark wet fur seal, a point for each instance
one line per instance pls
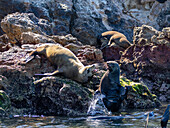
(111, 88)
(65, 61)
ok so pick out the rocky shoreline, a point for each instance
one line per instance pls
(146, 61)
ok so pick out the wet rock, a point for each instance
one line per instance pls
(17, 23)
(47, 96)
(57, 96)
(139, 96)
(5, 102)
(19, 82)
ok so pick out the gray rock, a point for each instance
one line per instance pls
(17, 23)
(95, 17)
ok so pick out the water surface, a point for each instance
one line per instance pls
(125, 119)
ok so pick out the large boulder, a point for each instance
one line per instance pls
(47, 96)
(57, 96)
(95, 17)
(148, 59)
(56, 11)
(17, 23)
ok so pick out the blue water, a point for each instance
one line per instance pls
(125, 119)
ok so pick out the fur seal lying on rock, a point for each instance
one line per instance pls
(110, 87)
(65, 61)
(110, 37)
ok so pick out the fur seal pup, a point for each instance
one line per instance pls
(65, 61)
(110, 87)
(110, 37)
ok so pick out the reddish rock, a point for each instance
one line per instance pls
(4, 46)
(87, 54)
(17, 23)
(112, 53)
(149, 60)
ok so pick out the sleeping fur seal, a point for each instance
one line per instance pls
(113, 37)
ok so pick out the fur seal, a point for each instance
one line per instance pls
(110, 37)
(110, 87)
(65, 61)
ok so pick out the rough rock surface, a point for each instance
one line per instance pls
(48, 96)
(17, 23)
(87, 19)
(138, 95)
(87, 54)
(65, 40)
(112, 52)
(148, 59)
(33, 38)
(97, 16)
(5, 103)
(4, 45)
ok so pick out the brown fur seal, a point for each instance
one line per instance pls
(110, 87)
(114, 37)
(65, 61)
